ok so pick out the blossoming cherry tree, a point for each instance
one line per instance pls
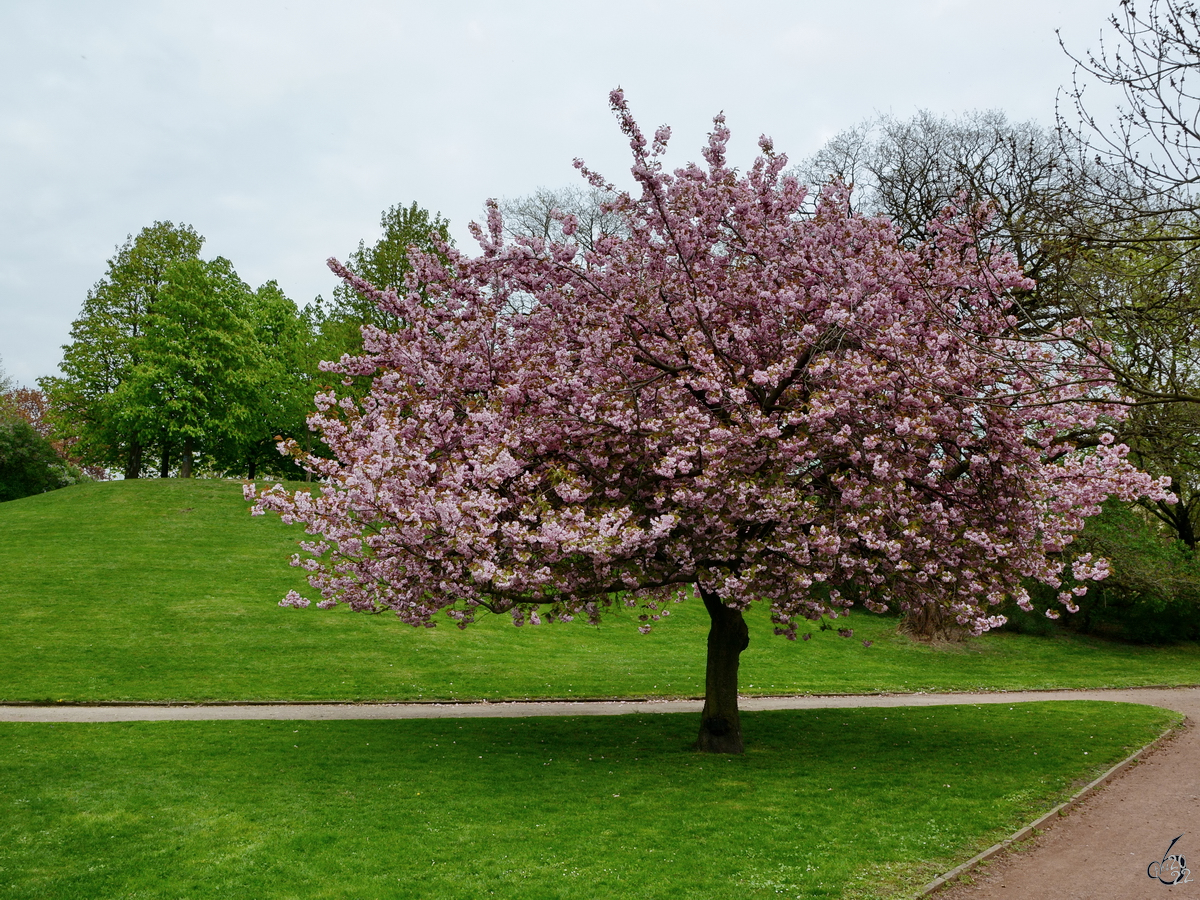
(740, 397)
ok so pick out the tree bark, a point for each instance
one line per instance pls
(133, 461)
(932, 623)
(1187, 533)
(728, 636)
(185, 464)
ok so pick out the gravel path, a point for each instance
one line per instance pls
(1101, 850)
(1174, 698)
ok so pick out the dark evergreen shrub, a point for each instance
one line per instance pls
(28, 464)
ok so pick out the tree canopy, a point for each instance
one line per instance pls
(194, 385)
(731, 395)
(541, 214)
(387, 262)
(176, 357)
(1151, 65)
(87, 401)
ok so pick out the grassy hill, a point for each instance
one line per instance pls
(168, 590)
(854, 803)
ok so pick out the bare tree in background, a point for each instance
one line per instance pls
(534, 215)
(1154, 64)
(1145, 288)
(910, 170)
(1082, 229)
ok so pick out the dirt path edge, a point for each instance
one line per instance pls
(1060, 811)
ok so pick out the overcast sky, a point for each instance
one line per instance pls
(281, 130)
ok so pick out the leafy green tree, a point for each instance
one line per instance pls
(178, 360)
(384, 264)
(335, 326)
(1152, 593)
(195, 382)
(89, 402)
(28, 463)
(285, 378)
(1144, 303)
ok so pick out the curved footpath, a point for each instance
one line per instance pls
(1101, 850)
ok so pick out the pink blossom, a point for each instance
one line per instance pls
(294, 599)
(742, 392)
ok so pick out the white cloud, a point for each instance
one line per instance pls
(281, 130)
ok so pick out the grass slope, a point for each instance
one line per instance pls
(824, 804)
(167, 590)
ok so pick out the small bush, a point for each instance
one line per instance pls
(1152, 595)
(1035, 622)
(28, 464)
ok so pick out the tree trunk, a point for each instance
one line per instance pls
(1178, 516)
(728, 636)
(164, 470)
(185, 464)
(133, 461)
(932, 623)
(1187, 532)
(252, 467)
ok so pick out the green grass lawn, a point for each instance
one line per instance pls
(825, 803)
(167, 590)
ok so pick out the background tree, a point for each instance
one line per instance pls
(177, 359)
(540, 215)
(285, 378)
(1155, 137)
(730, 397)
(1144, 282)
(1153, 592)
(28, 463)
(386, 263)
(195, 383)
(335, 327)
(1144, 304)
(1053, 209)
(87, 401)
(29, 405)
(1151, 148)
(32, 406)
(1036, 191)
